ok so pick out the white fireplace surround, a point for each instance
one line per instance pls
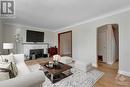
(28, 47)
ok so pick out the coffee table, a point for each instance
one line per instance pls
(56, 74)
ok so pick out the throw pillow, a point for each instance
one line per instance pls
(11, 60)
(10, 57)
(14, 69)
(1, 58)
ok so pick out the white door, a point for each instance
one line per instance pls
(102, 42)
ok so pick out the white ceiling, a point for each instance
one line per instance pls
(57, 14)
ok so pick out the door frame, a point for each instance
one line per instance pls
(60, 40)
(97, 43)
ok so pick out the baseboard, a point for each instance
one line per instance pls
(124, 73)
(110, 63)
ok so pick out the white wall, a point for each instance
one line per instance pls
(1, 38)
(10, 30)
(111, 45)
(84, 40)
(114, 49)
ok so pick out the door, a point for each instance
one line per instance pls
(65, 43)
(102, 42)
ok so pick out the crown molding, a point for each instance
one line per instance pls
(97, 18)
(27, 26)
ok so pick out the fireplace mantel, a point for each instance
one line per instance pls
(29, 45)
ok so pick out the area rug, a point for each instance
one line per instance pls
(78, 79)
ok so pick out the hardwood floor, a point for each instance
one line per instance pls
(37, 61)
(111, 78)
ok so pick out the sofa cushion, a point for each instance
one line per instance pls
(11, 60)
(66, 60)
(1, 58)
(14, 69)
(9, 57)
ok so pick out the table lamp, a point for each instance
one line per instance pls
(8, 46)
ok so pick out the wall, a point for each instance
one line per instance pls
(1, 38)
(116, 35)
(11, 30)
(84, 40)
(111, 45)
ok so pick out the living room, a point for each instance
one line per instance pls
(83, 24)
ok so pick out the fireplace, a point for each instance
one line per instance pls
(37, 53)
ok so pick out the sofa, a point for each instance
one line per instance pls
(24, 77)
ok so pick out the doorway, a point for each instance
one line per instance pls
(65, 43)
(108, 44)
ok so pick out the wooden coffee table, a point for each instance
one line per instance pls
(54, 73)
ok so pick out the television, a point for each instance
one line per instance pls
(34, 36)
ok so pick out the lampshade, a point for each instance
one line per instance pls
(8, 46)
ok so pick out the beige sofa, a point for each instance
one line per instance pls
(25, 77)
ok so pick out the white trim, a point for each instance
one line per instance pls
(110, 63)
(97, 18)
(27, 26)
(124, 73)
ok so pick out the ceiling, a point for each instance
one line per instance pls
(57, 14)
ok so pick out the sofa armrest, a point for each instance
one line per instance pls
(21, 66)
(28, 80)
